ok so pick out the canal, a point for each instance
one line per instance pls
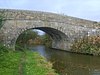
(66, 63)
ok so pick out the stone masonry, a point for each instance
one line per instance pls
(63, 29)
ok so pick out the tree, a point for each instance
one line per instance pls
(26, 36)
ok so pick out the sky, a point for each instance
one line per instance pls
(86, 9)
(40, 32)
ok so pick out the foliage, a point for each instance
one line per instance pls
(89, 45)
(26, 36)
(3, 49)
(31, 37)
(47, 41)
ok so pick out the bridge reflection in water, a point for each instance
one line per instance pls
(70, 63)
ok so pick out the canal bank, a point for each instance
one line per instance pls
(87, 45)
(23, 63)
(69, 63)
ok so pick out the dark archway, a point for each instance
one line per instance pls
(54, 33)
(58, 37)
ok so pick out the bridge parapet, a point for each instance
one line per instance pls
(45, 16)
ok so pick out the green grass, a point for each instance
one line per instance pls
(35, 64)
(9, 63)
(23, 63)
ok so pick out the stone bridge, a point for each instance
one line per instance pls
(63, 29)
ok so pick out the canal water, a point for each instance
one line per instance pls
(66, 63)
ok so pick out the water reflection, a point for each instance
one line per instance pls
(69, 63)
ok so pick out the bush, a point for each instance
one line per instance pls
(3, 49)
(89, 45)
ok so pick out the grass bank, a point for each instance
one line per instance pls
(23, 63)
(87, 45)
(35, 64)
(9, 61)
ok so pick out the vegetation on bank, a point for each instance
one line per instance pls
(89, 45)
(23, 63)
(9, 61)
(35, 64)
(31, 37)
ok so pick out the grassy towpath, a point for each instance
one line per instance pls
(23, 63)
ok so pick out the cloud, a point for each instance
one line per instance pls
(88, 9)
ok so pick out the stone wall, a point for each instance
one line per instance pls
(63, 29)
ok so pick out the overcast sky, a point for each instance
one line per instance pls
(86, 9)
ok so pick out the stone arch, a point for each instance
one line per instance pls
(13, 28)
(54, 33)
(58, 37)
(17, 21)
